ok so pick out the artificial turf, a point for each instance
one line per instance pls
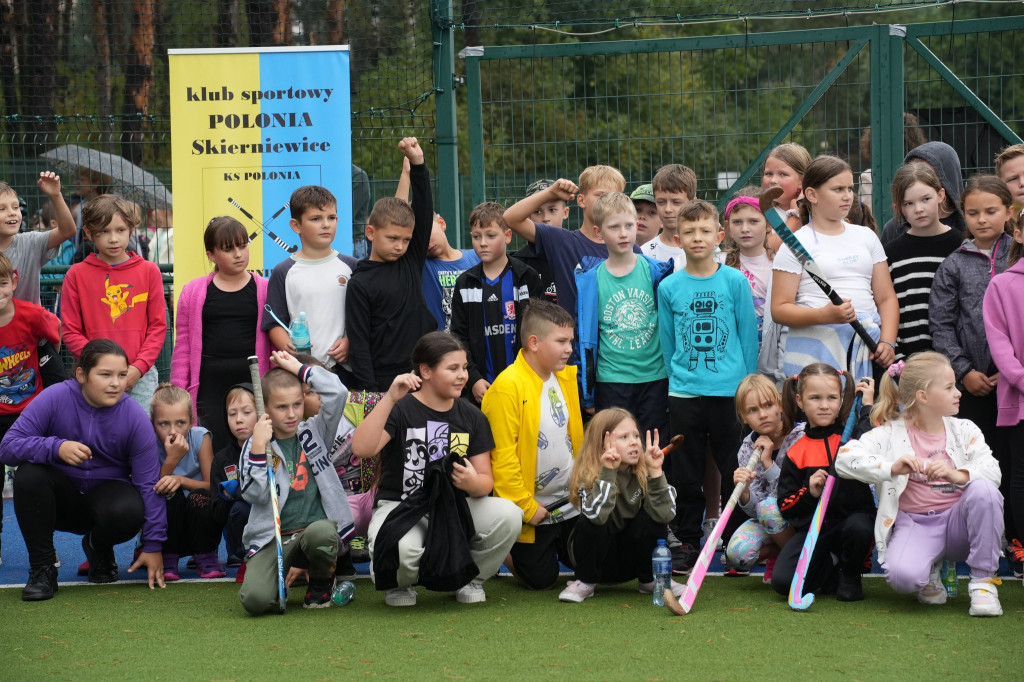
(738, 630)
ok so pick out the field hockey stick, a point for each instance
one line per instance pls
(806, 261)
(700, 568)
(798, 601)
(277, 240)
(257, 392)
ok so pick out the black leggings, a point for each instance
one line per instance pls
(851, 539)
(192, 526)
(45, 500)
(602, 554)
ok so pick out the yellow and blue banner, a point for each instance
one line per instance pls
(248, 127)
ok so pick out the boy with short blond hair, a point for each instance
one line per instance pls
(621, 361)
(489, 298)
(673, 186)
(1010, 169)
(313, 280)
(116, 294)
(386, 311)
(314, 510)
(533, 410)
(564, 249)
(709, 339)
(30, 251)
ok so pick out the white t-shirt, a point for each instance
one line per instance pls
(554, 451)
(659, 250)
(846, 259)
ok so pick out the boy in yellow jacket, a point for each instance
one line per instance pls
(533, 409)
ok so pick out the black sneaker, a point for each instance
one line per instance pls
(41, 585)
(683, 558)
(358, 550)
(234, 560)
(318, 595)
(102, 565)
(848, 587)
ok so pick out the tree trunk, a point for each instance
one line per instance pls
(283, 22)
(261, 17)
(9, 91)
(227, 23)
(138, 77)
(335, 24)
(37, 63)
(104, 66)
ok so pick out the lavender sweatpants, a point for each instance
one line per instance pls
(968, 531)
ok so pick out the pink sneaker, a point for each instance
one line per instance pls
(769, 569)
(171, 568)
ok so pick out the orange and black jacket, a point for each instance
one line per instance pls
(817, 450)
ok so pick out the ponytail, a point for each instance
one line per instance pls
(794, 386)
(887, 405)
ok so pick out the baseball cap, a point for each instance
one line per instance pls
(643, 193)
(538, 186)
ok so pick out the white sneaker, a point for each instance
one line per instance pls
(648, 588)
(576, 591)
(471, 593)
(934, 592)
(984, 597)
(671, 540)
(400, 596)
(707, 527)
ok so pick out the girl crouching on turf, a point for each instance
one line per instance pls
(938, 485)
(625, 504)
(423, 423)
(87, 464)
(759, 406)
(186, 455)
(843, 550)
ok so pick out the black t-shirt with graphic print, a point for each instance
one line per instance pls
(420, 435)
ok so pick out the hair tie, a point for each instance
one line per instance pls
(896, 369)
(796, 377)
(749, 201)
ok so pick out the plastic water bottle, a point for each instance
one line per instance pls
(661, 567)
(343, 593)
(299, 331)
(948, 576)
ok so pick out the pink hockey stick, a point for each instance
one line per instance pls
(700, 568)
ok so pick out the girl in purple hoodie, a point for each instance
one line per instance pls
(1004, 326)
(87, 464)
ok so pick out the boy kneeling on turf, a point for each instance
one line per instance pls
(315, 514)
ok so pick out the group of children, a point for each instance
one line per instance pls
(521, 422)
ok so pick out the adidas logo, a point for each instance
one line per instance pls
(493, 298)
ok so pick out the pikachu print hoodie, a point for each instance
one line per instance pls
(123, 303)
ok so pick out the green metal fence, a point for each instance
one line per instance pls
(720, 103)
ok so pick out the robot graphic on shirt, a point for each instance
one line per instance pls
(705, 333)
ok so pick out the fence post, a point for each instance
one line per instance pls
(886, 116)
(448, 204)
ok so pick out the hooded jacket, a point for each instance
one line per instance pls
(588, 315)
(468, 311)
(955, 318)
(187, 357)
(315, 436)
(120, 437)
(941, 157)
(1004, 327)
(123, 303)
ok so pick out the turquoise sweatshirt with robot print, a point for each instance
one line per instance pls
(708, 332)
